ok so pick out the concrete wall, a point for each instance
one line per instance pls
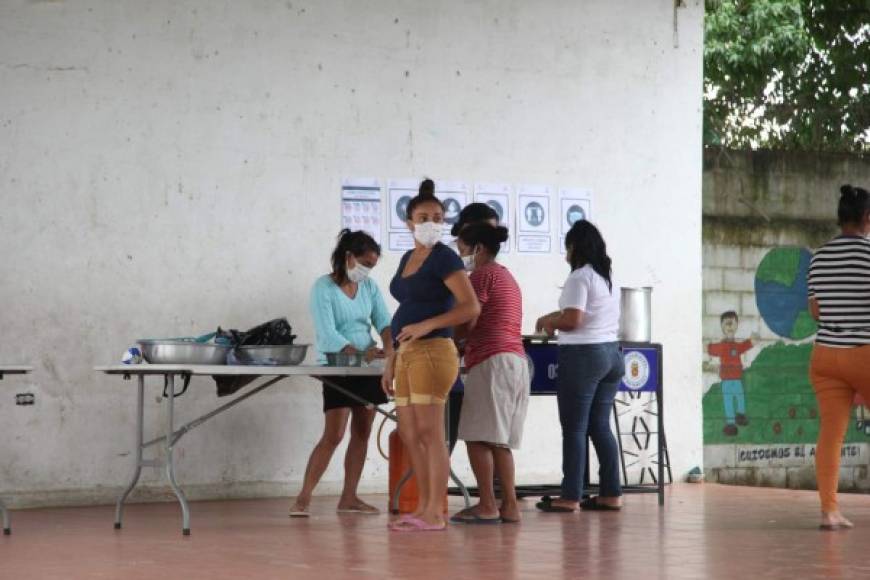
(167, 167)
(756, 203)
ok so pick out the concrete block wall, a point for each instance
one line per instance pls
(755, 202)
(729, 284)
(852, 478)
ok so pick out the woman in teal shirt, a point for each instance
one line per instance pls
(345, 305)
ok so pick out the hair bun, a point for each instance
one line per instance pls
(427, 189)
(344, 233)
(501, 234)
(847, 191)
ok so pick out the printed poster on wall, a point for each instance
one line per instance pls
(400, 193)
(533, 219)
(575, 204)
(361, 206)
(454, 196)
(498, 197)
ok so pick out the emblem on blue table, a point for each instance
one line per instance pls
(636, 370)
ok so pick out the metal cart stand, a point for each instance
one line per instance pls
(642, 386)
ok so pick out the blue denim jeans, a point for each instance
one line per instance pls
(589, 375)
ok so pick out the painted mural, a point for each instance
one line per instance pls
(765, 414)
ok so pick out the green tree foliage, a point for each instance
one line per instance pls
(787, 74)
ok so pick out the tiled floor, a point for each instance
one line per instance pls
(705, 531)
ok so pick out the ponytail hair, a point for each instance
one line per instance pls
(358, 244)
(585, 245)
(425, 194)
(854, 205)
(483, 234)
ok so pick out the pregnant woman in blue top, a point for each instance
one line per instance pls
(434, 295)
(345, 305)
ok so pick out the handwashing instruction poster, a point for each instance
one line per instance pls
(361, 206)
(533, 219)
(498, 197)
(400, 193)
(454, 196)
(533, 214)
(575, 204)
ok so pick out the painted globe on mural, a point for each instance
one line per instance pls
(781, 292)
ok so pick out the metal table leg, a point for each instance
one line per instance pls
(170, 461)
(465, 495)
(7, 524)
(453, 476)
(140, 425)
(660, 436)
(168, 441)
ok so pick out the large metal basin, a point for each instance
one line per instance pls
(278, 355)
(182, 352)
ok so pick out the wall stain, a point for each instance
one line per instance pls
(51, 68)
(48, 365)
(410, 139)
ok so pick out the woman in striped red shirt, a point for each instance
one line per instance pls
(497, 384)
(839, 288)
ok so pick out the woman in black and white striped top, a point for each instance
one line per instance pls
(839, 288)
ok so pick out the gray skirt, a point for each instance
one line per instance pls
(496, 400)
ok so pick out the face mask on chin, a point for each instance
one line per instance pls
(428, 233)
(358, 273)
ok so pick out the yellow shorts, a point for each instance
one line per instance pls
(425, 372)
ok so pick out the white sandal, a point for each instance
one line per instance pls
(365, 509)
(297, 513)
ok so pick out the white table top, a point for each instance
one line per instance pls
(14, 369)
(242, 370)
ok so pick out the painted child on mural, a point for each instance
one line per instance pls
(730, 353)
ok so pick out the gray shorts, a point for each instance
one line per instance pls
(496, 400)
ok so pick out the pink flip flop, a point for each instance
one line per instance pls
(401, 520)
(412, 524)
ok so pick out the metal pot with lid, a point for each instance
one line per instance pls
(635, 317)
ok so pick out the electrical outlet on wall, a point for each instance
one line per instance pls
(25, 399)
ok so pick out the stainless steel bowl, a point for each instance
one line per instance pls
(182, 352)
(279, 355)
(342, 359)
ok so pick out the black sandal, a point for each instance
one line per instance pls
(592, 505)
(546, 505)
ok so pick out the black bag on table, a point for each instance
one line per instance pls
(275, 332)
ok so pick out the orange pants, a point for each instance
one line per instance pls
(837, 374)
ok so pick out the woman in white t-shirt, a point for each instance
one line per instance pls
(590, 369)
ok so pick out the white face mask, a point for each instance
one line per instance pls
(358, 273)
(468, 261)
(428, 233)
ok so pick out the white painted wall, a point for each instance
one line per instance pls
(166, 167)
